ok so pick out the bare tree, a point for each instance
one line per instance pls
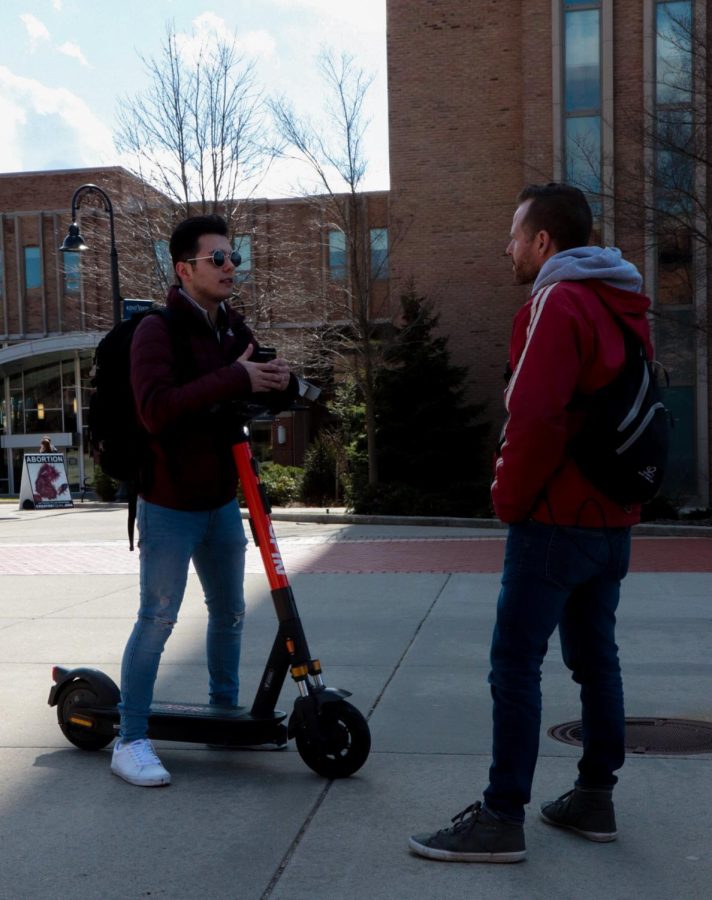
(355, 319)
(661, 191)
(197, 132)
(662, 200)
(674, 130)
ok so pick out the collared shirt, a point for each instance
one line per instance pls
(213, 327)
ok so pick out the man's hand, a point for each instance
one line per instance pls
(269, 376)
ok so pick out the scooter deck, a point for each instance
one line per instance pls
(201, 723)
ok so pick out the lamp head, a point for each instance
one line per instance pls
(73, 242)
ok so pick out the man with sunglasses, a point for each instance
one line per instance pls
(186, 368)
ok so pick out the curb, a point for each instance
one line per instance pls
(325, 516)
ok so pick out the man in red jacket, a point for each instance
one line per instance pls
(568, 545)
(187, 508)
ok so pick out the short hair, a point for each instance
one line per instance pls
(186, 235)
(559, 209)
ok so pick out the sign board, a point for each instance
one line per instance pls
(44, 482)
(135, 306)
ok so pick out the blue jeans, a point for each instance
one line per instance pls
(568, 577)
(168, 540)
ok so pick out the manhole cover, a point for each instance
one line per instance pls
(661, 736)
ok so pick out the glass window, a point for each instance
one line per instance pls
(676, 283)
(582, 99)
(33, 268)
(673, 55)
(337, 255)
(582, 60)
(42, 399)
(72, 272)
(680, 478)
(379, 252)
(243, 244)
(675, 337)
(261, 438)
(69, 396)
(675, 152)
(163, 258)
(583, 153)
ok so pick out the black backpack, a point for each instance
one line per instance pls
(118, 441)
(623, 446)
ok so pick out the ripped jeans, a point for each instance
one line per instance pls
(168, 540)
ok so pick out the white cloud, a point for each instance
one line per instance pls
(33, 117)
(366, 15)
(209, 24)
(258, 43)
(37, 31)
(74, 50)
(206, 28)
(57, 4)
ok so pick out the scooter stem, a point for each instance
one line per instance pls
(258, 506)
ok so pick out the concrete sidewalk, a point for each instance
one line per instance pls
(412, 647)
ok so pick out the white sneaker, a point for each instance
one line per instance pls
(138, 764)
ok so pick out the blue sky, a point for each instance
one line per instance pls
(65, 63)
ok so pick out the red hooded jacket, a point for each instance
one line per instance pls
(566, 341)
(184, 404)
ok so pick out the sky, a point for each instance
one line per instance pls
(64, 65)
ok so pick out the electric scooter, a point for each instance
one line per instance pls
(331, 735)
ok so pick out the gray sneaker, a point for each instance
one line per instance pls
(586, 811)
(474, 836)
(137, 763)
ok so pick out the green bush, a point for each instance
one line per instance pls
(322, 484)
(283, 484)
(462, 500)
(105, 487)
(660, 508)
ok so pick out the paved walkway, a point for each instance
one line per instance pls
(325, 553)
(399, 615)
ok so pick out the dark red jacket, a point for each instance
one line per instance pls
(184, 403)
(566, 341)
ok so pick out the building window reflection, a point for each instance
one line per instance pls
(379, 253)
(163, 260)
(582, 98)
(45, 400)
(243, 244)
(674, 201)
(72, 272)
(337, 255)
(33, 268)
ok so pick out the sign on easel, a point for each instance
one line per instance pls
(44, 482)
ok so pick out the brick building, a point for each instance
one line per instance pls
(55, 307)
(484, 96)
(487, 95)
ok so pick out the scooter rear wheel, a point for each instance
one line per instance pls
(339, 744)
(79, 694)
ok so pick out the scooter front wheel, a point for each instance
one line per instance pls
(338, 742)
(77, 729)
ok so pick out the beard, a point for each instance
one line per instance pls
(524, 271)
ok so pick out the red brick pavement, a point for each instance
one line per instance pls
(347, 556)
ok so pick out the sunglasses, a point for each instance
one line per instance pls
(218, 257)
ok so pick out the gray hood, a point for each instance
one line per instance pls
(579, 263)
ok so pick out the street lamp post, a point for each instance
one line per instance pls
(74, 242)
